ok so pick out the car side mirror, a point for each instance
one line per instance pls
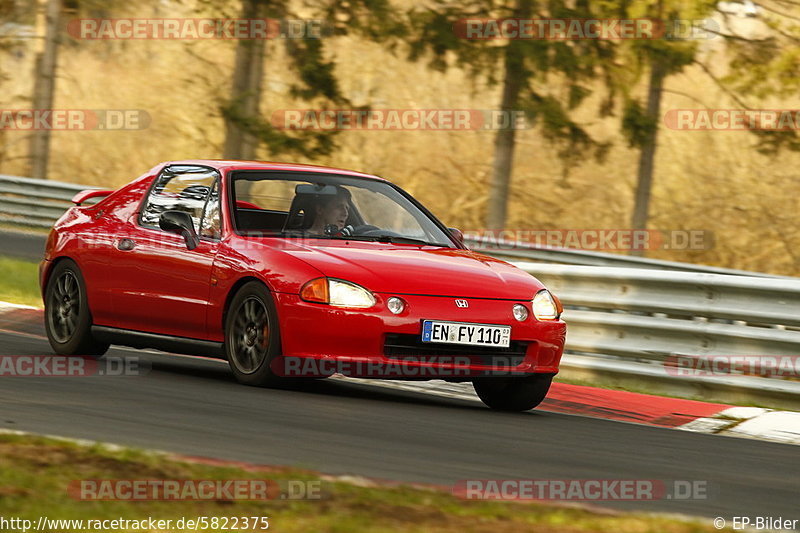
(457, 233)
(180, 223)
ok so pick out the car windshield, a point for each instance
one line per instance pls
(330, 206)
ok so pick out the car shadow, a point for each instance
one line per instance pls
(218, 371)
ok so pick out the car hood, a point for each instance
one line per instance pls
(429, 270)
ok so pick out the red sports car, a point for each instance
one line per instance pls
(293, 272)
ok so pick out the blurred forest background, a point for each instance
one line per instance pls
(590, 105)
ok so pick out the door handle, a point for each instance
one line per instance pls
(125, 245)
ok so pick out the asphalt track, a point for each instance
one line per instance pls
(22, 245)
(193, 406)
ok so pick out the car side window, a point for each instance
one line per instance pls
(212, 217)
(183, 188)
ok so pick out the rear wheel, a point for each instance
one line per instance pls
(68, 321)
(252, 340)
(513, 394)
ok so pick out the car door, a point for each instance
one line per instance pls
(163, 286)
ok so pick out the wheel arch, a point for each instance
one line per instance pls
(50, 267)
(47, 274)
(238, 284)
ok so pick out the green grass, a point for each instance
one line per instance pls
(37, 471)
(19, 282)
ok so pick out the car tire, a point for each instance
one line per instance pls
(67, 318)
(252, 338)
(513, 394)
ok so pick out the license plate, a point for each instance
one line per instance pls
(466, 333)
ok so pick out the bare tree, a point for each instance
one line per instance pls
(246, 89)
(44, 87)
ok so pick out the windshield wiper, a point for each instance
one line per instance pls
(365, 238)
(404, 240)
(393, 239)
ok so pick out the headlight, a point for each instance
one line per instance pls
(396, 305)
(520, 312)
(346, 294)
(337, 293)
(546, 306)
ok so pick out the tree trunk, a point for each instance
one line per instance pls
(505, 139)
(44, 88)
(647, 155)
(246, 91)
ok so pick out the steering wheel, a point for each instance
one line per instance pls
(375, 232)
(364, 230)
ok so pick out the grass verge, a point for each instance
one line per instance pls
(37, 472)
(19, 282)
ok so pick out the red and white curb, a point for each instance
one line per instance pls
(751, 422)
(659, 411)
(6, 307)
(623, 406)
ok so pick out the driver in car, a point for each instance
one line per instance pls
(331, 211)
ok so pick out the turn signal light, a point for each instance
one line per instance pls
(315, 290)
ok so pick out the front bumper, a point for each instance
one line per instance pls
(320, 340)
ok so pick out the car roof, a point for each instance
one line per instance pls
(226, 165)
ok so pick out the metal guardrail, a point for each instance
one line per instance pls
(514, 251)
(752, 301)
(34, 203)
(634, 321)
(650, 315)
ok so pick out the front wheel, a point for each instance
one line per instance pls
(252, 340)
(68, 321)
(513, 394)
